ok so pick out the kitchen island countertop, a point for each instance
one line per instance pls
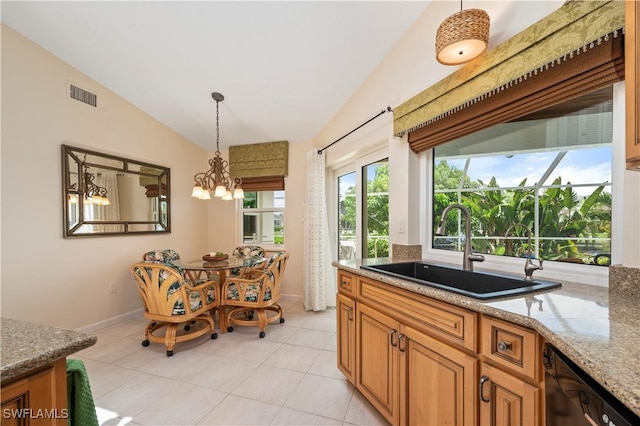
(27, 347)
(595, 328)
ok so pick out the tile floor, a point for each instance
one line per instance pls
(287, 378)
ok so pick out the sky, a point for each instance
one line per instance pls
(581, 166)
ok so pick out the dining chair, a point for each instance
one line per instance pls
(163, 255)
(169, 257)
(247, 252)
(170, 301)
(252, 300)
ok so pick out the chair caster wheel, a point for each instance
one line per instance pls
(169, 353)
(229, 329)
(187, 327)
(214, 336)
(262, 334)
(145, 343)
(281, 320)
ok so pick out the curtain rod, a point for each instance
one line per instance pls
(366, 122)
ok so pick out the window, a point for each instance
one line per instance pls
(347, 216)
(361, 217)
(375, 209)
(263, 217)
(549, 171)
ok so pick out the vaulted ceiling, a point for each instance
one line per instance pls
(285, 68)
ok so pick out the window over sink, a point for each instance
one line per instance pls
(549, 171)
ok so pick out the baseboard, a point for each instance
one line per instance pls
(291, 296)
(136, 314)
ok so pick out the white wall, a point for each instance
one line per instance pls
(64, 282)
(411, 68)
(224, 235)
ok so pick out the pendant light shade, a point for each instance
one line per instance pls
(462, 36)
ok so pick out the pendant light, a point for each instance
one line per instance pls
(217, 178)
(462, 36)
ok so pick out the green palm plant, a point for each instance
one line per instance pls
(561, 213)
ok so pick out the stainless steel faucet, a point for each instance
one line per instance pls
(529, 266)
(469, 257)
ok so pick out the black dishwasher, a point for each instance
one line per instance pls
(575, 399)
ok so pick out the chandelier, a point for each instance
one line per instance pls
(217, 178)
(462, 36)
(94, 193)
(91, 192)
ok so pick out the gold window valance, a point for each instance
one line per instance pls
(567, 31)
(259, 160)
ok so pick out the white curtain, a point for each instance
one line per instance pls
(319, 284)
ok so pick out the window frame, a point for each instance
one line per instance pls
(586, 274)
(356, 166)
(241, 211)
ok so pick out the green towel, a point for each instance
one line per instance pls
(82, 410)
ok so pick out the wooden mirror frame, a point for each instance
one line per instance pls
(142, 195)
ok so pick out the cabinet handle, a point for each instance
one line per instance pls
(349, 314)
(400, 339)
(344, 283)
(504, 346)
(391, 338)
(483, 380)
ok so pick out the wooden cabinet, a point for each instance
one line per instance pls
(346, 283)
(377, 360)
(512, 347)
(511, 374)
(632, 83)
(37, 399)
(437, 382)
(506, 400)
(346, 337)
(420, 361)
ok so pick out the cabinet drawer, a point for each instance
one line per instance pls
(346, 283)
(446, 322)
(511, 346)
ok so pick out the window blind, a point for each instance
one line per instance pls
(259, 160)
(561, 41)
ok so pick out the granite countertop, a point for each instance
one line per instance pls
(27, 346)
(595, 328)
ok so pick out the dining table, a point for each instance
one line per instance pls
(216, 270)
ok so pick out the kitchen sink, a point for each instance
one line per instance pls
(479, 285)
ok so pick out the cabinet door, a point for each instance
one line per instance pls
(437, 382)
(39, 399)
(632, 83)
(506, 400)
(346, 337)
(377, 358)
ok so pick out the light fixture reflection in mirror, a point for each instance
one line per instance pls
(109, 195)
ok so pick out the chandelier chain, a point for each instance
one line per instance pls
(217, 126)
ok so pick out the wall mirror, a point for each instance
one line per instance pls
(108, 195)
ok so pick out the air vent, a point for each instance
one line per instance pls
(83, 96)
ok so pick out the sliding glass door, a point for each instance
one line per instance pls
(361, 218)
(347, 216)
(375, 209)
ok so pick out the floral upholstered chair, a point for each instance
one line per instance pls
(163, 256)
(252, 299)
(170, 257)
(171, 301)
(247, 252)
